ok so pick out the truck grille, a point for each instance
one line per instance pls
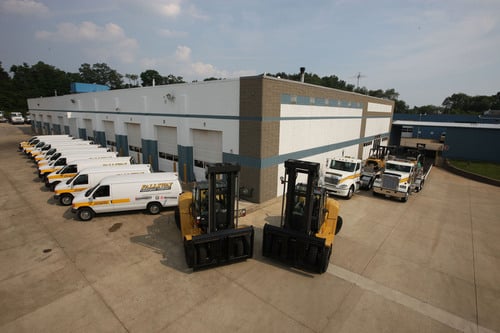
(390, 181)
(332, 179)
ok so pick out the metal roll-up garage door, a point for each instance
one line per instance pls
(207, 148)
(134, 142)
(167, 148)
(89, 129)
(109, 131)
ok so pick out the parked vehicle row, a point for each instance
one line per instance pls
(386, 172)
(95, 180)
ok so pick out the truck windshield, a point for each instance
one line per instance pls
(398, 167)
(342, 165)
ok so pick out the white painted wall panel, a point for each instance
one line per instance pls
(377, 107)
(297, 134)
(376, 126)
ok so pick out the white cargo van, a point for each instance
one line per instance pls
(42, 142)
(69, 150)
(89, 177)
(74, 166)
(151, 192)
(65, 143)
(47, 154)
(46, 169)
(37, 138)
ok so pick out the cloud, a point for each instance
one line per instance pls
(102, 42)
(25, 7)
(183, 53)
(172, 33)
(171, 9)
(180, 63)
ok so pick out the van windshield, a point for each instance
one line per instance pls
(90, 190)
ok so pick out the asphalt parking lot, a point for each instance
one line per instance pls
(429, 265)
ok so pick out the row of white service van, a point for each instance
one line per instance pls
(94, 182)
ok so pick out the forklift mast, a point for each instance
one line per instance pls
(222, 200)
(300, 200)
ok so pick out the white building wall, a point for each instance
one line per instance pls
(203, 105)
(321, 126)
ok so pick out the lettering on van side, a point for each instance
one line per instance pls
(156, 187)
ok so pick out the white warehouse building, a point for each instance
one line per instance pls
(257, 122)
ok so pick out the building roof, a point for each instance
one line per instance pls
(445, 124)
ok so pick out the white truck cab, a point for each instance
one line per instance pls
(341, 176)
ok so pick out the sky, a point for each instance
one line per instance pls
(426, 50)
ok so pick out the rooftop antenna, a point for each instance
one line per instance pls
(358, 76)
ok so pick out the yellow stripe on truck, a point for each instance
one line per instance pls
(350, 177)
(100, 202)
(70, 190)
(59, 176)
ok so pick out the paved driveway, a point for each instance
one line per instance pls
(429, 265)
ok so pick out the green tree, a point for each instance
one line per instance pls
(101, 73)
(37, 80)
(149, 76)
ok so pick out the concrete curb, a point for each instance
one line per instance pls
(447, 166)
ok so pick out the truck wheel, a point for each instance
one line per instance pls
(66, 199)
(154, 208)
(85, 214)
(405, 198)
(350, 193)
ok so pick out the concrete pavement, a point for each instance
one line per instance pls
(429, 265)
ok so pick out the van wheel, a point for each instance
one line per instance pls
(66, 199)
(154, 208)
(85, 214)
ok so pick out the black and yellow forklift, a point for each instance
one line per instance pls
(208, 219)
(309, 221)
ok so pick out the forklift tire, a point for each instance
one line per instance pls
(202, 254)
(326, 260)
(312, 255)
(177, 218)
(339, 224)
(238, 248)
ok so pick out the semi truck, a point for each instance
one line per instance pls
(401, 177)
(341, 176)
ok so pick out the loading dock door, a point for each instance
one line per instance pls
(89, 129)
(167, 148)
(134, 142)
(109, 132)
(207, 148)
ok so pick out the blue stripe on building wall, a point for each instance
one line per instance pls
(150, 153)
(122, 145)
(100, 138)
(186, 162)
(82, 133)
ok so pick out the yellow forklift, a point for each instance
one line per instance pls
(208, 219)
(309, 221)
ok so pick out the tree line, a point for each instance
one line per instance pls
(43, 80)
